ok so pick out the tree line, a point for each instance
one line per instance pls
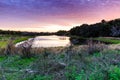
(101, 29)
(24, 33)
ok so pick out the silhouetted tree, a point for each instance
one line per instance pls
(103, 28)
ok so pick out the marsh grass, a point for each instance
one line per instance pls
(93, 61)
(94, 47)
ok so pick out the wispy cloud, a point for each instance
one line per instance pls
(56, 12)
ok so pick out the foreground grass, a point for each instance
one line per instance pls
(88, 62)
(14, 66)
(72, 63)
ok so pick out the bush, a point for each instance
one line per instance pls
(114, 73)
(93, 47)
(10, 49)
(81, 76)
(97, 76)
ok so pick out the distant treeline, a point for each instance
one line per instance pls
(102, 29)
(25, 33)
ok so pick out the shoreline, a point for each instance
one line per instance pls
(45, 42)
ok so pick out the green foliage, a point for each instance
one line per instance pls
(80, 65)
(97, 76)
(71, 73)
(81, 76)
(114, 73)
(21, 63)
(2, 58)
(92, 76)
(4, 39)
(108, 40)
(3, 44)
(97, 54)
(42, 78)
(62, 56)
(15, 62)
(17, 40)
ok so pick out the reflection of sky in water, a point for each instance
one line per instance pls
(51, 41)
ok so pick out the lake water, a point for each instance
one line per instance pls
(51, 41)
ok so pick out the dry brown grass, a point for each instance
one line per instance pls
(114, 46)
(94, 47)
(10, 49)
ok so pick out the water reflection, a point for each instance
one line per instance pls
(51, 41)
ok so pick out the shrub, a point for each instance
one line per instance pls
(81, 76)
(114, 73)
(97, 76)
(95, 47)
(10, 49)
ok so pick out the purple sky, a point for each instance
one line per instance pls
(52, 15)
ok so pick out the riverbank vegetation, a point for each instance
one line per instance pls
(76, 40)
(94, 61)
(109, 40)
(4, 39)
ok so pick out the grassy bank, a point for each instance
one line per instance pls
(88, 62)
(108, 40)
(4, 39)
(93, 61)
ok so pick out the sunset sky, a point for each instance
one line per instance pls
(54, 15)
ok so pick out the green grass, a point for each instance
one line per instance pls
(103, 65)
(108, 40)
(14, 66)
(101, 39)
(114, 73)
(3, 44)
(19, 39)
(15, 62)
(5, 38)
(2, 58)
(39, 77)
(91, 67)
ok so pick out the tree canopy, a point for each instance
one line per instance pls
(101, 29)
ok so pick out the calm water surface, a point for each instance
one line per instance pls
(51, 41)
